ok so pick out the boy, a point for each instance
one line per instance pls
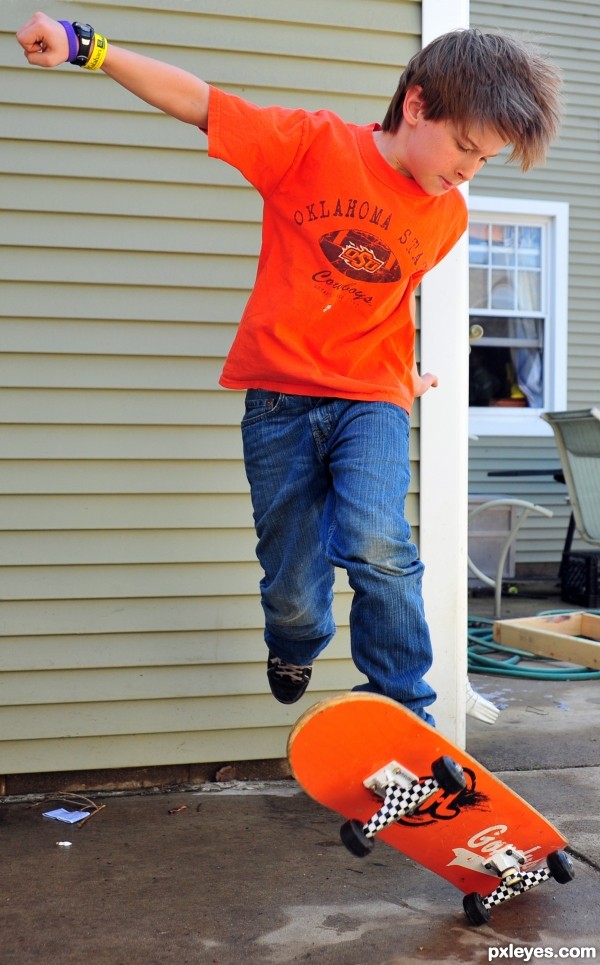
(353, 217)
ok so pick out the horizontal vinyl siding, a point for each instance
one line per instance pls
(131, 629)
(570, 32)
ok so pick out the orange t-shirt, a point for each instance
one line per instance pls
(346, 240)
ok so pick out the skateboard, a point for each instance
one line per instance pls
(395, 777)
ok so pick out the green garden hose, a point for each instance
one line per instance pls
(487, 656)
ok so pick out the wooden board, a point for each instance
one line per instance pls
(571, 637)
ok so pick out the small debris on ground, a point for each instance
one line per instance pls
(225, 774)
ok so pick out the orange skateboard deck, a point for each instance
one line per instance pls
(373, 761)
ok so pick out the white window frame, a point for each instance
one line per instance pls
(555, 215)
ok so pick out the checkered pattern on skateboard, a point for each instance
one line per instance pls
(398, 802)
(528, 879)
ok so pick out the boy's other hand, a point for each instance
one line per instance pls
(422, 383)
(44, 41)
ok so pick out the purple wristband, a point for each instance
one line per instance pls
(72, 38)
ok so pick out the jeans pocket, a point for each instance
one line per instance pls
(260, 404)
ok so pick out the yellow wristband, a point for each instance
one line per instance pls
(98, 54)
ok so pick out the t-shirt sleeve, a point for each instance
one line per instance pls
(261, 142)
(458, 220)
(457, 229)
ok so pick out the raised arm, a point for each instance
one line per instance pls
(170, 89)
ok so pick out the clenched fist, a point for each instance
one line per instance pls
(44, 41)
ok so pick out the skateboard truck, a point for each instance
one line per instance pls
(392, 773)
(506, 864)
(478, 909)
(403, 793)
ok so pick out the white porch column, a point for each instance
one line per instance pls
(444, 449)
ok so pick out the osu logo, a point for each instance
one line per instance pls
(360, 255)
(444, 806)
(361, 258)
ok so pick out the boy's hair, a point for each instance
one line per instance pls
(490, 79)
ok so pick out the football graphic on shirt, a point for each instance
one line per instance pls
(360, 256)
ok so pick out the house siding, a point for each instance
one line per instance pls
(130, 624)
(571, 34)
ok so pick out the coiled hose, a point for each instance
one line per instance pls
(486, 656)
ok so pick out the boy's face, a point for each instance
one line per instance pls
(438, 155)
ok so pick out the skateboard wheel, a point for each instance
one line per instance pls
(560, 867)
(448, 774)
(475, 909)
(355, 839)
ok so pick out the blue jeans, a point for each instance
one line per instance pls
(328, 480)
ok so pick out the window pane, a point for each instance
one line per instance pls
(477, 255)
(530, 247)
(529, 291)
(479, 229)
(526, 332)
(478, 293)
(493, 378)
(478, 244)
(503, 290)
(528, 260)
(516, 332)
(503, 244)
(478, 232)
(493, 327)
(503, 258)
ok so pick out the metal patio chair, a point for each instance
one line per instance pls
(577, 437)
(526, 508)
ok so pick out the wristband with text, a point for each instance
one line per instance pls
(98, 54)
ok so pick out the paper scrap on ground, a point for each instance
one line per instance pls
(69, 817)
